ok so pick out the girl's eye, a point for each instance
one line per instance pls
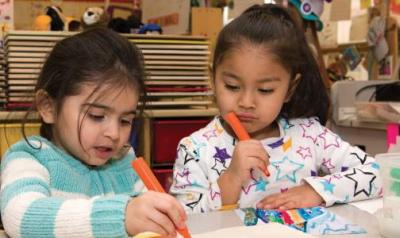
(265, 91)
(96, 117)
(231, 87)
(126, 121)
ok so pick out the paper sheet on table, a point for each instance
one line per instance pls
(260, 231)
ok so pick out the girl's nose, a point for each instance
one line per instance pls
(246, 100)
(112, 130)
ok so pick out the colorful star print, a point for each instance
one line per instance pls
(276, 144)
(197, 146)
(327, 163)
(189, 158)
(328, 186)
(286, 124)
(221, 155)
(214, 194)
(304, 152)
(182, 179)
(247, 189)
(329, 139)
(287, 169)
(219, 129)
(362, 159)
(191, 205)
(308, 133)
(219, 166)
(261, 184)
(313, 173)
(209, 134)
(362, 181)
(287, 145)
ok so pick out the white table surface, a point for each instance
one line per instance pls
(360, 213)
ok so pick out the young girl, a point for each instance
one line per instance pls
(75, 179)
(266, 74)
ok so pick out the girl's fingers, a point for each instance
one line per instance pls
(257, 163)
(173, 210)
(150, 226)
(288, 205)
(164, 224)
(274, 201)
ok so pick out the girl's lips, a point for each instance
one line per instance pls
(103, 152)
(246, 117)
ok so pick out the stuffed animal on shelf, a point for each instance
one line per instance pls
(57, 18)
(94, 17)
(42, 23)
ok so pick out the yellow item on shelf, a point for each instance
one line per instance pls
(11, 133)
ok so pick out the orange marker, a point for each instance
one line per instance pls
(151, 183)
(239, 130)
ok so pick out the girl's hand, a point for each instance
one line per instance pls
(247, 155)
(156, 212)
(296, 197)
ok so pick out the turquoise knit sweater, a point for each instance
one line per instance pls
(47, 193)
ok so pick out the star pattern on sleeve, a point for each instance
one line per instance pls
(362, 159)
(214, 194)
(286, 124)
(328, 186)
(287, 145)
(327, 163)
(185, 176)
(276, 144)
(247, 189)
(193, 204)
(188, 157)
(287, 169)
(254, 182)
(221, 154)
(304, 152)
(329, 139)
(306, 133)
(196, 151)
(261, 184)
(209, 134)
(219, 166)
(363, 181)
(219, 129)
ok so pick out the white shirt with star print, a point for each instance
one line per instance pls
(304, 150)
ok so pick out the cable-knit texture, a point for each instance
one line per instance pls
(47, 193)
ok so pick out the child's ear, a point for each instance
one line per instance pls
(45, 106)
(292, 87)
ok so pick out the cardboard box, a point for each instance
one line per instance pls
(171, 15)
(207, 21)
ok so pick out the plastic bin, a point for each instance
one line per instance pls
(389, 215)
(166, 136)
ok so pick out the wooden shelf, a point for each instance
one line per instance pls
(361, 47)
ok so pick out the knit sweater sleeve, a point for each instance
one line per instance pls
(29, 209)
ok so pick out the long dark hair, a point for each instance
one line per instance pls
(99, 56)
(273, 27)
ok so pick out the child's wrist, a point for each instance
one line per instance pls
(232, 178)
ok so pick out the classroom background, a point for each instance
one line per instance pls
(355, 43)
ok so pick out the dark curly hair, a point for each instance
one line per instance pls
(273, 27)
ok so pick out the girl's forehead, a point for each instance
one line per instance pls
(94, 92)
